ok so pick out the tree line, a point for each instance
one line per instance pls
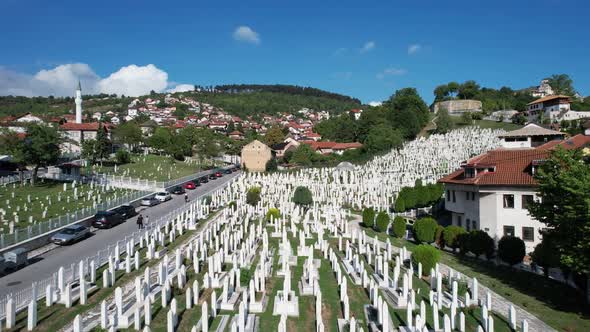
(286, 89)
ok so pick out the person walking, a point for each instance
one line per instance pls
(140, 222)
(186, 198)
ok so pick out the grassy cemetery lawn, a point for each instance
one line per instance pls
(48, 200)
(558, 305)
(487, 124)
(153, 167)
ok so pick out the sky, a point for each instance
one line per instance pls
(365, 49)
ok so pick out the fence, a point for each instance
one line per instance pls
(32, 231)
(23, 297)
(121, 181)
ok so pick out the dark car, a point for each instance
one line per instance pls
(126, 211)
(197, 182)
(212, 176)
(107, 219)
(227, 171)
(204, 179)
(178, 190)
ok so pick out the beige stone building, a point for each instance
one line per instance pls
(255, 156)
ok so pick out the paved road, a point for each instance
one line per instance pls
(49, 262)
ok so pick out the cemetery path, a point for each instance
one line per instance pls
(64, 256)
(499, 303)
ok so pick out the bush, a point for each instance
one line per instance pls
(369, 217)
(122, 156)
(399, 227)
(511, 249)
(546, 254)
(426, 255)
(274, 212)
(253, 196)
(232, 205)
(302, 196)
(425, 230)
(481, 243)
(450, 235)
(382, 221)
(400, 206)
(462, 241)
(272, 165)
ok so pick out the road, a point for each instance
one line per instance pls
(46, 264)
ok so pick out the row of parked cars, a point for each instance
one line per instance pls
(109, 219)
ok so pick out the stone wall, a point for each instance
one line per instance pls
(255, 156)
(458, 106)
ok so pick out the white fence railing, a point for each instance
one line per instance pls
(24, 234)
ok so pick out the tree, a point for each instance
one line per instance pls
(302, 155)
(427, 256)
(399, 227)
(160, 139)
(562, 84)
(546, 254)
(444, 123)
(274, 136)
(253, 196)
(274, 213)
(451, 235)
(122, 156)
(89, 150)
(181, 111)
(480, 243)
(103, 143)
(453, 88)
(383, 138)
(271, 165)
(128, 133)
(564, 206)
(519, 119)
(409, 99)
(425, 229)
(440, 92)
(39, 148)
(511, 249)
(369, 217)
(302, 196)
(466, 118)
(382, 221)
(468, 90)
(400, 205)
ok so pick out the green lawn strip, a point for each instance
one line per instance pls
(306, 319)
(151, 167)
(331, 306)
(39, 194)
(268, 322)
(486, 124)
(556, 304)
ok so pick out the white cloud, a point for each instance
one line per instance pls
(370, 45)
(391, 72)
(375, 103)
(414, 48)
(131, 80)
(181, 88)
(246, 34)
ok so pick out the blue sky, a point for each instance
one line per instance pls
(365, 49)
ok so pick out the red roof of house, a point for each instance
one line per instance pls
(512, 168)
(576, 142)
(85, 126)
(180, 124)
(355, 111)
(235, 133)
(309, 134)
(346, 146)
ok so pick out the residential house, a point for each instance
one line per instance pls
(529, 136)
(255, 155)
(549, 107)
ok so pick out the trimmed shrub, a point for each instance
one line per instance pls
(253, 196)
(302, 196)
(273, 212)
(546, 254)
(450, 235)
(481, 243)
(511, 249)
(369, 217)
(426, 255)
(400, 206)
(122, 156)
(425, 230)
(462, 241)
(399, 226)
(382, 221)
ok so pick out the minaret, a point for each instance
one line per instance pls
(79, 103)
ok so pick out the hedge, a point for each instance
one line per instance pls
(450, 235)
(399, 226)
(425, 230)
(382, 221)
(426, 255)
(511, 249)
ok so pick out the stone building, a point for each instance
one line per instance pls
(458, 106)
(255, 155)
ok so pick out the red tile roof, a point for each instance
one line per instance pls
(346, 146)
(85, 126)
(547, 98)
(576, 142)
(512, 168)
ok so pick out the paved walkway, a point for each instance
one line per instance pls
(499, 303)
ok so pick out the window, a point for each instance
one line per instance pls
(459, 221)
(473, 195)
(469, 172)
(454, 198)
(448, 195)
(528, 234)
(474, 226)
(508, 230)
(526, 201)
(467, 195)
(467, 223)
(508, 201)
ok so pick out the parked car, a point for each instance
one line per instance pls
(126, 211)
(163, 196)
(212, 176)
(107, 219)
(227, 171)
(197, 182)
(178, 190)
(218, 174)
(235, 169)
(150, 201)
(70, 234)
(190, 185)
(204, 179)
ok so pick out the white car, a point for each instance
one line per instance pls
(163, 196)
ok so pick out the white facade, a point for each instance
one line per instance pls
(498, 211)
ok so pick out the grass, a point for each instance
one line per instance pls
(40, 193)
(151, 167)
(486, 124)
(556, 304)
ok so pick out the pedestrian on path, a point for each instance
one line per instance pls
(140, 222)
(186, 198)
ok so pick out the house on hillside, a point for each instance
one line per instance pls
(255, 155)
(549, 107)
(529, 136)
